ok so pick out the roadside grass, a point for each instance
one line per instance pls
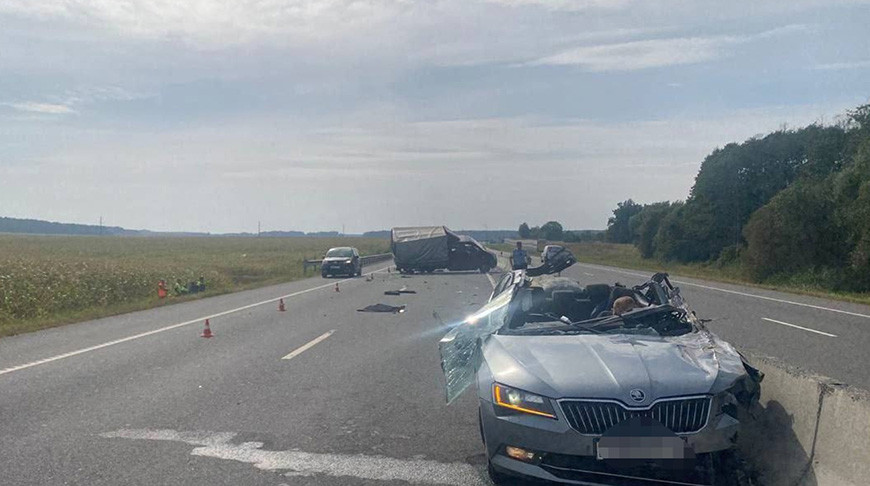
(47, 281)
(500, 247)
(627, 256)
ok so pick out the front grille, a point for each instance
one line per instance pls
(682, 416)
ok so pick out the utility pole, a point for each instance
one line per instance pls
(342, 229)
(101, 226)
(258, 229)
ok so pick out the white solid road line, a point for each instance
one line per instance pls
(311, 344)
(173, 326)
(745, 294)
(295, 462)
(800, 327)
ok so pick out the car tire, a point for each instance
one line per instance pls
(495, 476)
(324, 275)
(729, 469)
(484, 269)
(480, 425)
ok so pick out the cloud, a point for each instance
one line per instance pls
(653, 53)
(570, 5)
(839, 66)
(211, 21)
(631, 56)
(41, 108)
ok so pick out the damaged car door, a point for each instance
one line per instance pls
(460, 347)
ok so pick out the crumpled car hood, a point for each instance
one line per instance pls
(610, 366)
(595, 366)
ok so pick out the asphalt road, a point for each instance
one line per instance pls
(320, 394)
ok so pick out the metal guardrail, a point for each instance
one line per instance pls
(364, 259)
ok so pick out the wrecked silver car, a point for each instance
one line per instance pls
(571, 391)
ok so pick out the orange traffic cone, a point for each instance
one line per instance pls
(206, 333)
(336, 287)
(281, 305)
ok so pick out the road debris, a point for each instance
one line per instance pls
(383, 308)
(403, 290)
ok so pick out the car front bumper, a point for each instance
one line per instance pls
(342, 268)
(565, 455)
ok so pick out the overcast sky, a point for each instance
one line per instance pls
(209, 115)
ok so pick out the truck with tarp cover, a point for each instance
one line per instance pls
(430, 248)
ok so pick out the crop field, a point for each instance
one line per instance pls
(51, 280)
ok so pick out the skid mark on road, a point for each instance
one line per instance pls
(173, 326)
(735, 292)
(295, 462)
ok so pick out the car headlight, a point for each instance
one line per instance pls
(510, 400)
(348, 261)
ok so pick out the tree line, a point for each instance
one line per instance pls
(793, 205)
(553, 231)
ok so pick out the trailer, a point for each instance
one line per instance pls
(430, 248)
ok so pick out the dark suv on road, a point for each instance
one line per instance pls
(341, 261)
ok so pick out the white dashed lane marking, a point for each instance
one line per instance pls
(168, 328)
(309, 345)
(799, 327)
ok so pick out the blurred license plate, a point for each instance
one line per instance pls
(671, 447)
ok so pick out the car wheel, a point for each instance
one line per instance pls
(480, 425)
(484, 269)
(324, 275)
(495, 476)
(729, 468)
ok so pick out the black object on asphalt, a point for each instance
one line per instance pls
(401, 291)
(383, 308)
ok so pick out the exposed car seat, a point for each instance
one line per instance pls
(569, 303)
(599, 295)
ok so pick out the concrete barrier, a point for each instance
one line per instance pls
(808, 431)
(842, 455)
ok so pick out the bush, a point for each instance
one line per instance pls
(645, 224)
(795, 232)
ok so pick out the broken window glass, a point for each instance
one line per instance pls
(460, 348)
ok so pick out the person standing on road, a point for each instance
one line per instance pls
(519, 258)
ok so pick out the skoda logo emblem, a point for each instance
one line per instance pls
(637, 395)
